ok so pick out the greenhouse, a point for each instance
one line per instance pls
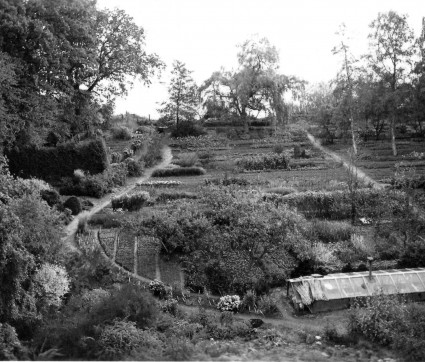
(334, 291)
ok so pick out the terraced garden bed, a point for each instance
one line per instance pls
(147, 250)
(107, 240)
(125, 251)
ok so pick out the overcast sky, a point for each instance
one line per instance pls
(204, 34)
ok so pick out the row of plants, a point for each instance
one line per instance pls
(338, 204)
(267, 161)
(179, 171)
(199, 142)
(154, 184)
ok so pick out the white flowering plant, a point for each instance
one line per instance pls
(229, 303)
(158, 288)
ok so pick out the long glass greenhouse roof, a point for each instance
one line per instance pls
(358, 284)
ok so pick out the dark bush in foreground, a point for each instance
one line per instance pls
(55, 162)
(74, 204)
(175, 172)
(187, 128)
(96, 185)
(52, 197)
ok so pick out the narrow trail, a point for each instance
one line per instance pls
(71, 228)
(355, 171)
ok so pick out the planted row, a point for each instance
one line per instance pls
(268, 161)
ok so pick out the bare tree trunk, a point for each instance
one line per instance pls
(393, 144)
(353, 136)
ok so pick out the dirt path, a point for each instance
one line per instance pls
(355, 171)
(100, 204)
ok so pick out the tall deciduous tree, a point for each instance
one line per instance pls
(71, 56)
(183, 98)
(347, 82)
(255, 87)
(391, 50)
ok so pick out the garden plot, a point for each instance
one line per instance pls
(125, 250)
(107, 239)
(170, 271)
(147, 251)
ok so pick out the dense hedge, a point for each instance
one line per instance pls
(181, 171)
(51, 163)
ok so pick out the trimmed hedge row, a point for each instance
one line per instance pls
(50, 163)
(182, 171)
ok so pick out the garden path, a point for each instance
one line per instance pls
(355, 171)
(69, 238)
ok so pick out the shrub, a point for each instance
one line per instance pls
(121, 133)
(176, 172)
(74, 204)
(52, 197)
(229, 303)
(158, 289)
(134, 168)
(187, 128)
(413, 255)
(116, 157)
(52, 283)
(130, 302)
(268, 161)
(278, 149)
(107, 221)
(131, 202)
(267, 305)
(118, 339)
(187, 159)
(56, 162)
(96, 185)
(10, 346)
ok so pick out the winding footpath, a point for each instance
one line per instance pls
(355, 171)
(70, 230)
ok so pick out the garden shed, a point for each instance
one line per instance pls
(334, 291)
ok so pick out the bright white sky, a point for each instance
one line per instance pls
(204, 34)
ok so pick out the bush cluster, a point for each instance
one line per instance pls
(181, 171)
(131, 202)
(52, 163)
(389, 320)
(229, 303)
(268, 161)
(95, 185)
(187, 128)
(134, 168)
(121, 133)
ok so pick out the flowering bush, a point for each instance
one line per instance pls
(169, 306)
(53, 283)
(229, 303)
(158, 288)
(159, 183)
